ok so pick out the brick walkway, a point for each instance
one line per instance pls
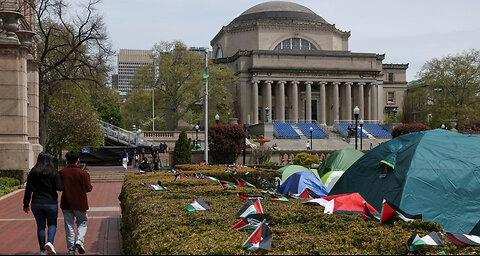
(18, 229)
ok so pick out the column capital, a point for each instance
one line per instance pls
(268, 82)
(294, 82)
(373, 83)
(336, 83)
(282, 82)
(308, 82)
(322, 82)
(255, 81)
(349, 83)
(361, 83)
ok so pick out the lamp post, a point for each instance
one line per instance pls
(217, 118)
(311, 138)
(361, 133)
(205, 76)
(394, 115)
(228, 120)
(356, 113)
(267, 110)
(196, 136)
(153, 108)
(244, 142)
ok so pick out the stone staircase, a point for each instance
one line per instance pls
(98, 177)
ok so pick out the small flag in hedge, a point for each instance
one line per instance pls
(198, 205)
(463, 239)
(290, 195)
(210, 178)
(389, 211)
(277, 198)
(250, 197)
(251, 207)
(243, 183)
(309, 194)
(252, 221)
(367, 213)
(261, 238)
(431, 239)
(226, 185)
(155, 187)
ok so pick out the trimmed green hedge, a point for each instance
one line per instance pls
(156, 222)
(8, 185)
(16, 174)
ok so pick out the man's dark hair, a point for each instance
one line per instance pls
(72, 157)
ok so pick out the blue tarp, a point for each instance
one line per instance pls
(299, 181)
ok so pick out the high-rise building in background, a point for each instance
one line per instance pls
(128, 62)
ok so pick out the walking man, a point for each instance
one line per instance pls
(308, 145)
(74, 203)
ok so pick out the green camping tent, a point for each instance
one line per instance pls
(435, 173)
(340, 160)
(291, 169)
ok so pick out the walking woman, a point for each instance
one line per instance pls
(44, 181)
(125, 159)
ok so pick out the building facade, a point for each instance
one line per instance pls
(128, 62)
(294, 66)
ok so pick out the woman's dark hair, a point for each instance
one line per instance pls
(43, 171)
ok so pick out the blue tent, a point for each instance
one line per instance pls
(299, 181)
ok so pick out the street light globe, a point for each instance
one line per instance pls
(197, 127)
(361, 122)
(217, 117)
(395, 110)
(356, 110)
(139, 130)
(311, 129)
(443, 126)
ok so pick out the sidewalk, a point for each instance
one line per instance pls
(18, 230)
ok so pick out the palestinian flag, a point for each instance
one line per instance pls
(309, 194)
(251, 207)
(210, 178)
(198, 205)
(261, 238)
(243, 183)
(277, 198)
(367, 213)
(202, 163)
(226, 185)
(252, 221)
(463, 239)
(290, 195)
(431, 239)
(389, 211)
(155, 187)
(250, 197)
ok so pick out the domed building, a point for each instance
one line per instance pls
(297, 65)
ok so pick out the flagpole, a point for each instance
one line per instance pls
(206, 108)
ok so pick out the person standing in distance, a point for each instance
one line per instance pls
(44, 181)
(125, 159)
(74, 202)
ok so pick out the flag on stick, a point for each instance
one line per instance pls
(226, 185)
(251, 207)
(431, 239)
(463, 239)
(277, 198)
(250, 197)
(261, 238)
(367, 213)
(252, 221)
(243, 183)
(309, 194)
(389, 211)
(198, 205)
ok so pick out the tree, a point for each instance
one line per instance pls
(182, 154)
(226, 142)
(73, 49)
(450, 88)
(408, 128)
(176, 74)
(105, 101)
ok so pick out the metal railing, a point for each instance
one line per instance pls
(122, 136)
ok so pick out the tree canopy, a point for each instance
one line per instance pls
(176, 74)
(448, 88)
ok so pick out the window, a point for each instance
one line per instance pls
(219, 53)
(390, 77)
(295, 44)
(390, 97)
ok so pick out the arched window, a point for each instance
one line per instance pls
(295, 44)
(219, 53)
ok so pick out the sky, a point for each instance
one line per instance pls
(407, 31)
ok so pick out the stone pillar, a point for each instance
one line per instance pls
(323, 104)
(374, 101)
(255, 101)
(268, 98)
(361, 104)
(381, 101)
(15, 150)
(368, 102)
(33, 106)
(281, 101)
(294, 101)
(308, 98)
(348, 101)
(336, 106)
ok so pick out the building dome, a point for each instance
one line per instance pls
(278, 10)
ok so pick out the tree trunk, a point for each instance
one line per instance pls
(44, 117)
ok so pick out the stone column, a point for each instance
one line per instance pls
(308, 98)
(368, 102)
(33, 106)
(255, 101)
(294, 101)
(268, 98)
(381, 101)
(323, 104)
(348, 101)
(281, 101)
(336, 106)
(360, 97)
(374, 101)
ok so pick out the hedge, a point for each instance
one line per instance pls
(8, 185)
(16, 174)
(156, 222)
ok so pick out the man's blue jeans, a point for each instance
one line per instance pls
(45, 214)
(81, 221)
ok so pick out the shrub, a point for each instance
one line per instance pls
(182, 154)
(226, 142)
(16, 174)
(8, 185)
(305, 159)
(470, 126)
(408, 128)
(261, 155)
